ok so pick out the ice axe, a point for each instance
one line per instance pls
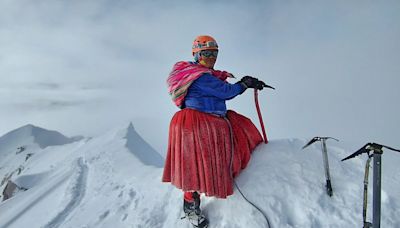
(259, 112)
(376, 150)
(329, 190)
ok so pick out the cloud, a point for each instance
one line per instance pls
(86, 66)
(48, 86)
(45, 105)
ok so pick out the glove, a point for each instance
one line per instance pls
(260, 85)
(250, 82)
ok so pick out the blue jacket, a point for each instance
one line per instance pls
(208, 94)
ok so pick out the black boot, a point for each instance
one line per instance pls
(193, 212)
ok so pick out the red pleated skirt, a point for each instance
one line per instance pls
(200, 151)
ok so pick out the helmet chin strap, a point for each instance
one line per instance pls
(197, 57)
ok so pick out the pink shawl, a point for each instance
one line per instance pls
(182, 76)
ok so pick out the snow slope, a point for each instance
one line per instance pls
(104, 182)
(19, 146)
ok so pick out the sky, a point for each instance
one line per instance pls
(84, 67)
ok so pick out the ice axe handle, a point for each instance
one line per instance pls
(260, 116)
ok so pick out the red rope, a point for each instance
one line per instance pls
(259, 116)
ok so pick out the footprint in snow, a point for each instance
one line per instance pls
(124, 217)
(104, 215)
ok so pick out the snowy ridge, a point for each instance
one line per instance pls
(76, 191)
(101, 183)
(23, 204)
(141, 149)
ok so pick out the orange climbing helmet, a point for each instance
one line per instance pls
(204, 42)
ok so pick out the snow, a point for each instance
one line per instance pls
(143, 151)
(114, 180)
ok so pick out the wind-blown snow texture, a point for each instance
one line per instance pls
(105, 182)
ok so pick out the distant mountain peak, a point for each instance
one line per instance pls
(141, 149)
(32, 134)
(131, 126)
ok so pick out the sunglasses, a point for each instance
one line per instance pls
(209, 53)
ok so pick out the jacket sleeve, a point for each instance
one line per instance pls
(213, 86)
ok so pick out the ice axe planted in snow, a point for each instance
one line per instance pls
(329, 190)
(259, 112)
(376, 150)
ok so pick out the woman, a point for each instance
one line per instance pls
(208, 145)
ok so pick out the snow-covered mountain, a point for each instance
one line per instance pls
(114, 181)
(18, 146)
(30, 135)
